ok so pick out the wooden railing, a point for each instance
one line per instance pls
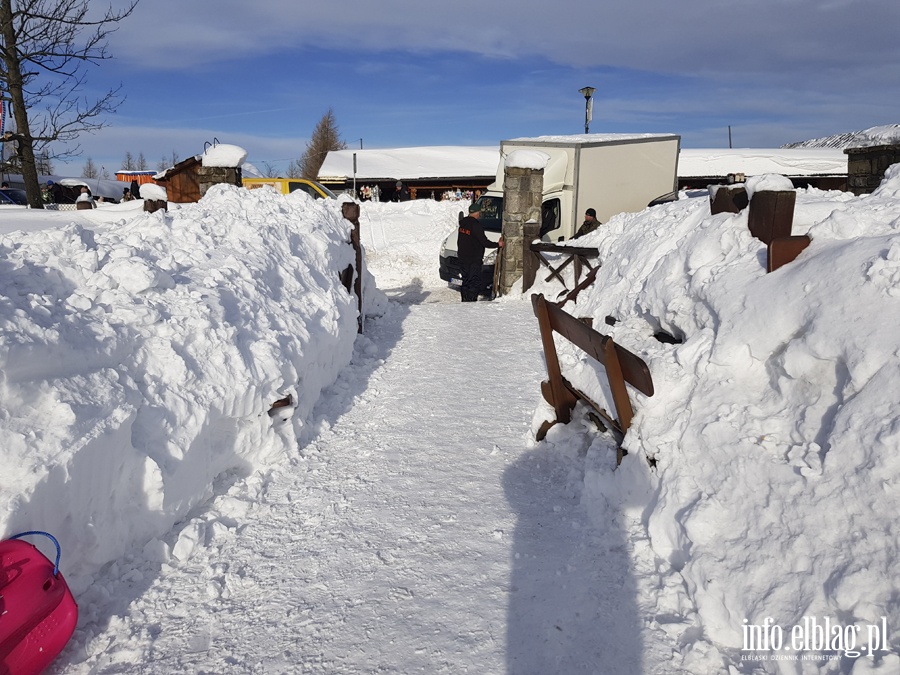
(534, 258)
(621, 366)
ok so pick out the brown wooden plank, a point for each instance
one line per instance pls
(728, 199)
(634, 370)
(588, 280)
(771, 214)
(617, 387)
(547, 247)
(562, 400)
(783, 250)
(555, 271)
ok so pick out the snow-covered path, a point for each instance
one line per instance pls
(416, 532)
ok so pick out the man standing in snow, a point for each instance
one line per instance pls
(470, 245)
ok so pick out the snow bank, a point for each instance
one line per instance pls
(139, 359)
(773, 433)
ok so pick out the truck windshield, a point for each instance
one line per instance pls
(491, 213)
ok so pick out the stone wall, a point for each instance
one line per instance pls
(866, 166)
(213, 175)
(522, 193)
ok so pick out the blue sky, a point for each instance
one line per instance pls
(401, 73)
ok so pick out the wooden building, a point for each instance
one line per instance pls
(140, 177)
(427, 172)
(188, 181)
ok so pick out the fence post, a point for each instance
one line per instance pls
(783, 250)
(727, 199)
(771, 214)
(154, 205)
(530, 263)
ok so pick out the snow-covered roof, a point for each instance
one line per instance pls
(474, 161)
(412, 163)
(757, 161)
(586, 139)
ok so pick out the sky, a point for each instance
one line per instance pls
(261, 75)
(400, 515)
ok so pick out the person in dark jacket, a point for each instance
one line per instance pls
(589, 225)
(401, 193)
(470, 245)
(57, 195)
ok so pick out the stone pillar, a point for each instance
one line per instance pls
(207, 176)
(866, 166)
(522, 192)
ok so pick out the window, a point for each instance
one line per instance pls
(549, 216)
(491, 213)
(306, 187)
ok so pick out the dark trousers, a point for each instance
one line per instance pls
(471, 280)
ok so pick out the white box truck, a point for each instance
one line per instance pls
(611, 173)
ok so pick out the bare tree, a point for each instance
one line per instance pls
(44, 165)
(325, 138)
(294, 170)
(90, 169)
(128, 162)
(269, 170)
(44, 47)
(167, 162)
(141, 163)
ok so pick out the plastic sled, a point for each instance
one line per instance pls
(37, 611)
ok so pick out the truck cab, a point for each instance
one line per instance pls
(492, 220)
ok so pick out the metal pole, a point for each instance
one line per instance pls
(588, 93)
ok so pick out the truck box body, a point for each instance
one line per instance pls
(611, 173)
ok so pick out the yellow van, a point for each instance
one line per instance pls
(287, 185)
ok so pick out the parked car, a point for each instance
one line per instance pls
(13, 196)
(287, 185)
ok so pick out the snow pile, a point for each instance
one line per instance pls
(224, 155)
(769, 182)
(140, 354)
(403, 239)
(139, 358)
(527, 159)
(153, 191)
(764, 471)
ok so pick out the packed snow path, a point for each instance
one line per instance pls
(415, 532)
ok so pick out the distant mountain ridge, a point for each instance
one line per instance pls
(882, 135)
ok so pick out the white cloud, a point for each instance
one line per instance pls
(687, 36)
